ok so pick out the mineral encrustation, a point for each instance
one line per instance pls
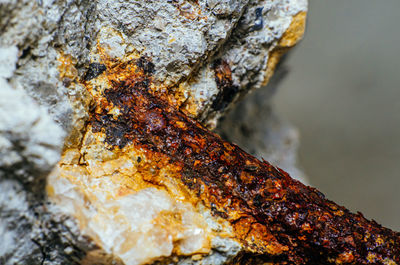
(106, 153)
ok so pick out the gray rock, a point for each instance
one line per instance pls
(46, 47)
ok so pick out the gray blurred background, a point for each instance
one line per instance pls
(343, 94)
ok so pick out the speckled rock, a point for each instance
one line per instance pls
(98, 207)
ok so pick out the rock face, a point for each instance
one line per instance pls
(107, 200)
(105, 153)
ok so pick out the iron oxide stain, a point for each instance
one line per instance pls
(277, 218)
(223, 78)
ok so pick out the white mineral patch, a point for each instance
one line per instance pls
(113, 42)
(8, 59)
(204, 87)
(137, 227)
(26, 130)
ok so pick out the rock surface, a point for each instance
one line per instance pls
(106, 205)
(254, 126)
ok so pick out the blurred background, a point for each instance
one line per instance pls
(343, 94)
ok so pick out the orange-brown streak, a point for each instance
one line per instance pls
(272, 214)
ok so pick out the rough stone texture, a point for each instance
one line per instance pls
(30, 140)
(31, 234)
(30, 145)
(252, 52)
(178, 35)
(49, 52)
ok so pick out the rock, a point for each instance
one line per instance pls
(254, 126)
(105, 200)
(31, 141)
(149, 184)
